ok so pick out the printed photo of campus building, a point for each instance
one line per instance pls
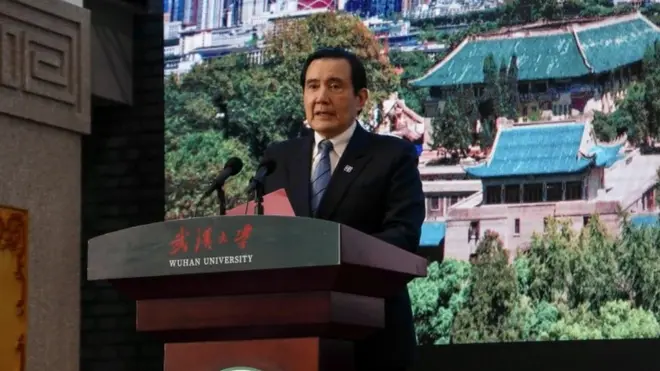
(536, 131)
(548, 162)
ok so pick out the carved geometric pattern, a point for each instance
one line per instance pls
(44, 62)
(13, 241)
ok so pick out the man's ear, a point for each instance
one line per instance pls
(363, 96)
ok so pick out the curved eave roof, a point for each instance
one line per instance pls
(546, 149)
(591, 48)
(558, 166)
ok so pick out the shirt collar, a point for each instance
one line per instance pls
(339, 142)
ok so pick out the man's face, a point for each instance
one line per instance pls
(331, 105)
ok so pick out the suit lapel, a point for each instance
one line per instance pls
(300, 167)
(351, 163)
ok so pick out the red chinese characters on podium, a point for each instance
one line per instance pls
(223, 238)
(179, 243)
(242, 236)
(275, 203)
(205, 237)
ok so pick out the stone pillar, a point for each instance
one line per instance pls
(44, 111)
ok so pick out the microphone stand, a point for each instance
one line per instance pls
(259, 199)
(222, 201)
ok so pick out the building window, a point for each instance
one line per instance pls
(560, 109)
(574, 191)
(512, 194)
(533, 192)
(516, 226)
(648, 200)
(434, 203)
(454, 200)
(473, 232)
(554, 192)
(493, 195)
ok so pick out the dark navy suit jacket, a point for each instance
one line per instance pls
(381, 196)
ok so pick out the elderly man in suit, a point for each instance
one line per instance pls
(347, 175)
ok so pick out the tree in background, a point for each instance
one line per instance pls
(437, 298)
(638, 113)
(528, 11)
(567, 285)
(511, 84)
(651, 68)
(189, 167)
(504, 98)
(490, 105)
(414, 64)
(640, 265)
(451, 129)
(492, 294)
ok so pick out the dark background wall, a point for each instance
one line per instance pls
(123, 186)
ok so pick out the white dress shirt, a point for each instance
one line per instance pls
(339, 144)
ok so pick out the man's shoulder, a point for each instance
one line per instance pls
(392, 145)
(284, 146)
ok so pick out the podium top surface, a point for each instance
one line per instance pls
(240, 243)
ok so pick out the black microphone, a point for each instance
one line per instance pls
(233, 166)
(266, 167)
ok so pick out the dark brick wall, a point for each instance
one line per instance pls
(123, 186)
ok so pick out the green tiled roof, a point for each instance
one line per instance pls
(616, 45)
(558, 55)
(542, 150)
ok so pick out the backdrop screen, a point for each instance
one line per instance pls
(536, 129)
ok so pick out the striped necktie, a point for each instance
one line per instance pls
(321, 175)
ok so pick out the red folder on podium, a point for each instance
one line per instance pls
(275, 203)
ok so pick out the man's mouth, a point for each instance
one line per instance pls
(323, 113)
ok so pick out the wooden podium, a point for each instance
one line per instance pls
(246, 293)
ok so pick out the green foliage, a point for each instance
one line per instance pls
(437, 298)
(493, 295)
(526, 11)
(638, 114)
(510, 106)
(640, 265)
(191, 163)
(567, 285)
(451, 130)
(414, 64)
(651, 93)
(490, 101)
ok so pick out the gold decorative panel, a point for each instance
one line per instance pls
(13, 287)
(44, 63)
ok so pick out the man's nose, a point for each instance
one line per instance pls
(322, 94)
